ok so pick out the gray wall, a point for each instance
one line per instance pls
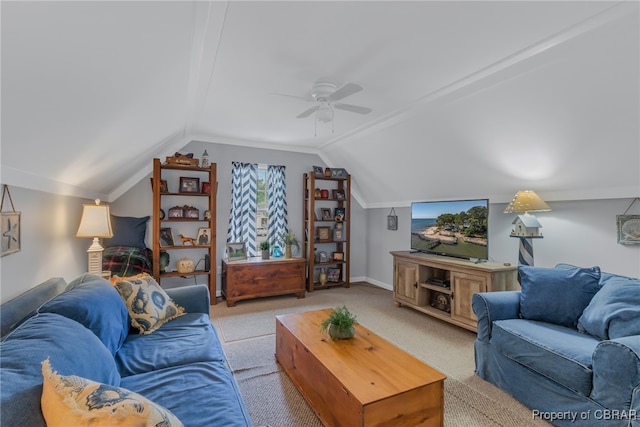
(577, 232)
(582, 233)
(138, 202)
(49, 248)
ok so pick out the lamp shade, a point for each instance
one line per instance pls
(95, 221)
(526, 201)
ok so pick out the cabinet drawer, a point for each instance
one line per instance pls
(258, 279)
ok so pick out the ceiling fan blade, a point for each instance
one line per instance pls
(307, 113)
(344, 91)
(353, 108)
(289, 96)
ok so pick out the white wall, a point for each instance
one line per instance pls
(49, 248)
(582, 233)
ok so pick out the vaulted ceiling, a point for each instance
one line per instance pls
(468, 99)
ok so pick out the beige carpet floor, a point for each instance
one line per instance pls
(247, 332)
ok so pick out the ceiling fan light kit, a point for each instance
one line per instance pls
(326, 95)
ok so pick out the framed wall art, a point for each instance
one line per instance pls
(629, 226)
(392, 220)
(628, 229)
(10, 226)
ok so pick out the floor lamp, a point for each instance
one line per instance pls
(96, 224)
(526, 226)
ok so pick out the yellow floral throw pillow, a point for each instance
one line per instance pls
(148, 304)
(74, 401)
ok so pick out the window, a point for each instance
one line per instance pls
(262, 212)
(258, 204)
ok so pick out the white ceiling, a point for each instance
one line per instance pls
(469, 99)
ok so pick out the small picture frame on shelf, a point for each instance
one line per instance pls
(166, 237)
(338, 235)
(236, 251)
(189, 185)
(318, 172)
(339, 214)
(333, 275)
(338, 173)
(324, 234)
(323, 257)
(176, 212)
(337, 194)
(326, 214)
(338, 256)
(164, 188)
(206, 187)
(191, 212)
(204, 236)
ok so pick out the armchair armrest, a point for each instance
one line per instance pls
(194, 298)
(492, 306)
(616, 373)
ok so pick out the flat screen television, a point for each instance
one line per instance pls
(456, 228)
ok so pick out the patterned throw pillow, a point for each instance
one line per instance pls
(148, 304)
(75, 401)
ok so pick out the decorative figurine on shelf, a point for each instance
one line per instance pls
(322, 278)
(185, 265)
(327, 172)
(204, 162)
(186, 240)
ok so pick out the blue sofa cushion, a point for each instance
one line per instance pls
(557, 295)
(199, 394)
(128, 231)
(71, 347)
(93, 302)
(556, 352)
(70, 400)
(614, 311)
(186, 339)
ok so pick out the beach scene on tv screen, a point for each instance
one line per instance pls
(456, 228)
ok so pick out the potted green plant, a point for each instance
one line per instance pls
(289, 239)
(264, 246)
(340, 324)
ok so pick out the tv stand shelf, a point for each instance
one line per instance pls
(417, 277)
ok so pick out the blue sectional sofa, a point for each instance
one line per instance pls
(567, 345)
(85, 331)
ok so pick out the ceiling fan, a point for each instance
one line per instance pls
(326, 96)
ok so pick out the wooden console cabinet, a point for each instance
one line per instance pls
(255, 278)
(442, 287)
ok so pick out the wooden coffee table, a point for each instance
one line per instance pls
(363, 381)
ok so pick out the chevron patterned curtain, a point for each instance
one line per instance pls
(277, 199)
(242, 219)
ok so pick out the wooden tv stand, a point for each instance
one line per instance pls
(442, 287)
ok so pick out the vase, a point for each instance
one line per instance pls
(265, 254)
(338, 333)
(287, 251)
(164, 261)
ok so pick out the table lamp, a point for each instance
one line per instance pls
(95, 223)
(526, 226)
